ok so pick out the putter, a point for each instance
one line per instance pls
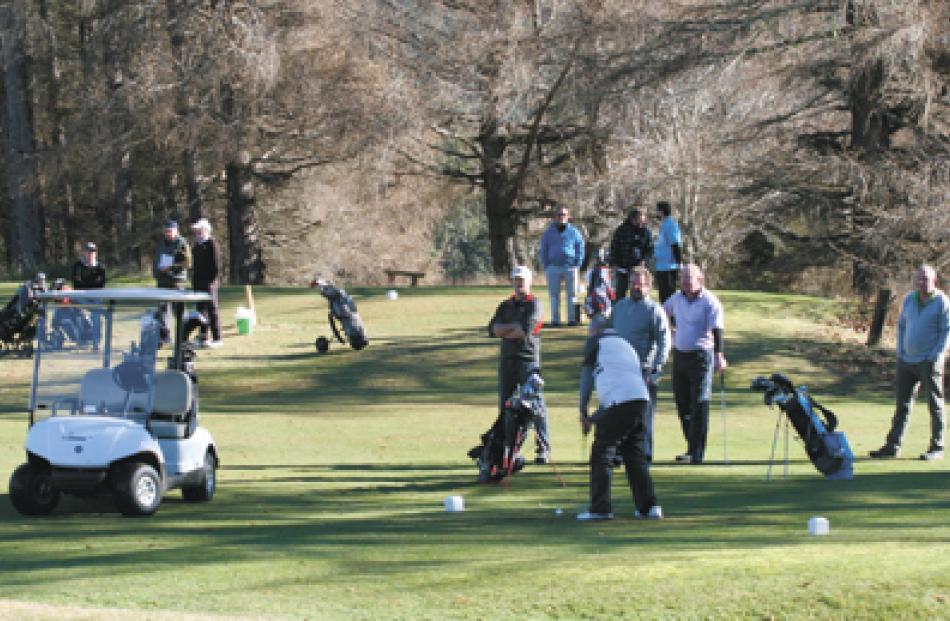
(722, 407)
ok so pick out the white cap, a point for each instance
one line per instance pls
(521, 271)
(202, 224)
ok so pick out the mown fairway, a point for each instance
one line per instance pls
(335, 468)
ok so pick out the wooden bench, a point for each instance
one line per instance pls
(413, 276)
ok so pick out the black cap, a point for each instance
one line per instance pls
(171, 224)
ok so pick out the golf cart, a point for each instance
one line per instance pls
(109, 416)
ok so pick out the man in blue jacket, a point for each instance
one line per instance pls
(668, 251)
(562, 252)
(923, 330)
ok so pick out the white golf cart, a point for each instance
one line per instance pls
(103, 418)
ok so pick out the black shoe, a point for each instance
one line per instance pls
(888, 451)
(475, 452)
(572, 324)
(542, 457)
(617, 461)
(934, 453)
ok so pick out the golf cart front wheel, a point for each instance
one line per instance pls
(203, 491)
(32, 491)
(323, 344)
(137, 489)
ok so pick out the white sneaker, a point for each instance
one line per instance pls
(685, 458)
(655, 513)
(587, 516)
(214, 344)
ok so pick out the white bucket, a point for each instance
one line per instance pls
(246, 319)
(818, 526)
(454, 504)
(392, 294)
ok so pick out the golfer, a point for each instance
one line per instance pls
(641, 321)
(612, 363)
(696, 317)
(517, 322)
(923, 330)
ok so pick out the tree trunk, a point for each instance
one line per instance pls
(176, 15)
(25, 241)
(499, 200)
(244, 239)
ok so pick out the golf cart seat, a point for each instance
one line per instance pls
(171, 405)
(99, 390)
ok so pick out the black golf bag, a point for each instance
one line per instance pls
(827, 449)
(499, 454)
(343, 312)
(18, 320)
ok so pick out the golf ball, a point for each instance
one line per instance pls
(559, 511)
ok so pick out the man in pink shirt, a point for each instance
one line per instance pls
(696, 318)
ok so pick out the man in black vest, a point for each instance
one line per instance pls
(205, 276)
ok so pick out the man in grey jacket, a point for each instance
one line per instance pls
(642, 322)
(923, 330)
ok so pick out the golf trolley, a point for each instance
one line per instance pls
(18, 319)
(827, 449)
(110, 421)
(499, 455)
(343, 312)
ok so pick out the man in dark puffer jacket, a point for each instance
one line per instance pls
(631, 246)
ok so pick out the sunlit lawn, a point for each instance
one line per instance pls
(335, 467)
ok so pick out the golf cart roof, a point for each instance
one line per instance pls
(126, 294)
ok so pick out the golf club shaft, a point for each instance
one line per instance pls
(722, 407)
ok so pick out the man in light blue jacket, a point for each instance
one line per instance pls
(562, 252)
(923, 330)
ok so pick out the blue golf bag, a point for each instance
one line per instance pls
(827, 449)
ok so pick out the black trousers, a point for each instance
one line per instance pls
(210, 310)
(692, 390)
(666, 282)
(621, 429)
(621, 282)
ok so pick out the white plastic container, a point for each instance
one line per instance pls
(454, 504)
(392, 295)
(818, 526)
(245, 319)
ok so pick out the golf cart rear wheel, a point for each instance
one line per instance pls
(32, 491)
(323, 344)
(137, 489)
(204, 491)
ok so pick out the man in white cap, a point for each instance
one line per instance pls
(517, 322)
(205, 276)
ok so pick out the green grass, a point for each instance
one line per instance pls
(335, 468)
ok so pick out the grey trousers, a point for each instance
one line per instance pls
(929, 376)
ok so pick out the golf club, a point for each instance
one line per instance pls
(722, 407)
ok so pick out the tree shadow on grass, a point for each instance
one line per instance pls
(367, 524)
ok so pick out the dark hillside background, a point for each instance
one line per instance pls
(803, 144)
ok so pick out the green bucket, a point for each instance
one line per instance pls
(245, 320)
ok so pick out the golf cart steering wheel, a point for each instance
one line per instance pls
(131, 376)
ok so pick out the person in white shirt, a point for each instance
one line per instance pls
(612, 364)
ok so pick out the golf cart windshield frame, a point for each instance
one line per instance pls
(109, 300)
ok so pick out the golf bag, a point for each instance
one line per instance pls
(499, 454)
(827, 449)
(18, 320)
(600, 294)
(343, 312)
